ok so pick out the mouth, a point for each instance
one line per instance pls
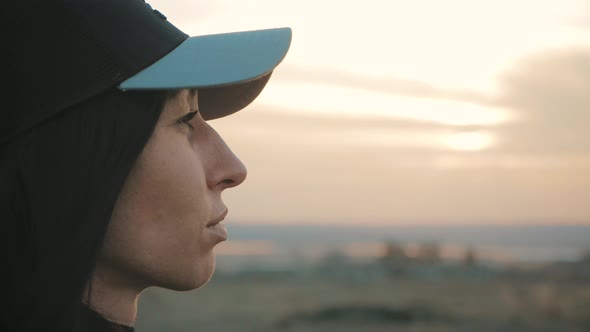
(216, 229)
(217, 220)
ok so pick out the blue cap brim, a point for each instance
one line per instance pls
(215, 60)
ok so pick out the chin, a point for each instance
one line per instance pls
(190, 279)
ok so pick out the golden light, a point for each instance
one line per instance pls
(400, 88)
(326, 100)
(469, 141)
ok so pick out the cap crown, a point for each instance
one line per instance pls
(62, 52)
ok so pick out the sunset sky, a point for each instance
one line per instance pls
(412, 112)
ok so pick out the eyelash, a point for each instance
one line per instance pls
(189, 116)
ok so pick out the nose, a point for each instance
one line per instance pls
(228, 170)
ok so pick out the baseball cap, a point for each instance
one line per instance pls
(62, 52)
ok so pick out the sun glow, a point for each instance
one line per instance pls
(469, 141)
(384, 107)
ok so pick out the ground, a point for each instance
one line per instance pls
(272, 303)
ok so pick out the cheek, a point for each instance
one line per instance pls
(170, 184)
(158, 222)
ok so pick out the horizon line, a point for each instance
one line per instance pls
(401, 225)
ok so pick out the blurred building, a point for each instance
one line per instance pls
(429, 252)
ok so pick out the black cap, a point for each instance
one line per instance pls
(62, 52)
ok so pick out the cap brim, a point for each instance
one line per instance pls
(217, 102)
(222, 66)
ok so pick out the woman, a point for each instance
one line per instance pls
(110, 176)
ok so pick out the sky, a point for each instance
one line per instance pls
(411, 112)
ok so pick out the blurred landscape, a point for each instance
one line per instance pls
(397, 278)
(389, 113)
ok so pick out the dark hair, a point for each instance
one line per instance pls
(58, 185)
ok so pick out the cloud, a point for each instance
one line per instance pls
(547, 92)
(550, 93)
(394, 86)
(538, 172)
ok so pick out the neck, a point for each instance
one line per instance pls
(112, 296)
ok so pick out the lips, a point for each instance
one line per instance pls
(217, 220)
(216, 229)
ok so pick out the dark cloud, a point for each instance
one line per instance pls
(550, 92)
(554, 84)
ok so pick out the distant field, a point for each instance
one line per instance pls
(270, 304)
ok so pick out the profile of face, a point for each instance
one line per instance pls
(162, 230)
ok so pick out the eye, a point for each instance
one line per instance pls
(187, 118)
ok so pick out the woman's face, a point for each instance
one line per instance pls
(161, 231)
